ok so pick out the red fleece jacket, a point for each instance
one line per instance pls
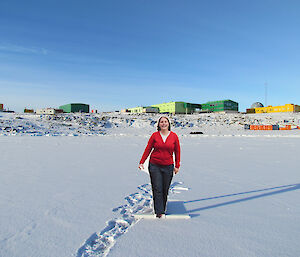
(162, 153)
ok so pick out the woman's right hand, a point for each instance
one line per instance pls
(141, 166)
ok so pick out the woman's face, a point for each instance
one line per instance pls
(163, 124)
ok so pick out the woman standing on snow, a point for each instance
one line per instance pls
(164, 143)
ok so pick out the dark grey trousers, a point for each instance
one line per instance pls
(161, 177)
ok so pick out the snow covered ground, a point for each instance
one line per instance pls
(73, 190)
(141, 124)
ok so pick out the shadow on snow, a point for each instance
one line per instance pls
(179, 206)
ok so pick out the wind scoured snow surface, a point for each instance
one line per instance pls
(76, 196)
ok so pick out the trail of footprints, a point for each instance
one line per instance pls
(100, 243)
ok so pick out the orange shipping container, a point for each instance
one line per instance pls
(266, 127)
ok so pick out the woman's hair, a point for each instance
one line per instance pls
(158, 128)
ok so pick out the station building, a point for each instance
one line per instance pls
(274, 109)
(188, 108)
(28, 110)
(49, 111)
(143, 109)
(177, 107)
(75, 107)
(220, 106)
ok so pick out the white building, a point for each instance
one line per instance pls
(143, 109)
(48, 111)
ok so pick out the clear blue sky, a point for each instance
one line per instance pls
(114, 54)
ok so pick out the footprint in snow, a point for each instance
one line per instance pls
(99, 244)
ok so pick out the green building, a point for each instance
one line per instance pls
(220, 106)
(75, 107)
(177, 107)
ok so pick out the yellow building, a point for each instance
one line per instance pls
(283, 108)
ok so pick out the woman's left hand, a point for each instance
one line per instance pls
(176, 170)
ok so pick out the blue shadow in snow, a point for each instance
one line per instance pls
(177, 207)
(282, 189)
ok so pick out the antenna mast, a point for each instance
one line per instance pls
(266, 94)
